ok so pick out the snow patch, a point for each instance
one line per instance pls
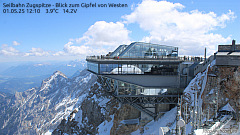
(227, 107)
(48, 82)
(211, 92)
(104, 127)
(49, 132)
(152, 128)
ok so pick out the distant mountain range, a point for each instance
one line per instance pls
(34, 69)
(24, 76)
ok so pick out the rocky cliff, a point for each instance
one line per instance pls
(223, 85)
(215, 88)
(39, 110)
(99, 113)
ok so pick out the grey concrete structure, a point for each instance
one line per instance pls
(148, 80)
(149, 77)
(228, 55)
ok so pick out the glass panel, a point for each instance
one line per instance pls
(147, 50)
(135, 69)
(130, 89)
(92, 67)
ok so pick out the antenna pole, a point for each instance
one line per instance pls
(205, 54)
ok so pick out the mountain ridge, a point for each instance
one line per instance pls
(25, 76)
(37, 110)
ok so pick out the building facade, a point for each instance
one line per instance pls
(228, 55)
(144, 75)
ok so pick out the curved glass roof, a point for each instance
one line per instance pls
(148, 50)
(119, 50)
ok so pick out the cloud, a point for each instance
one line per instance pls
(164, 22)
(106, 34)
(8, 51)
(15, 43)
(100, 38)
(76, 50)
(168, 24)
(59, 53)
(37, 52)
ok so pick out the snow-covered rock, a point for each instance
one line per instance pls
(40, 110)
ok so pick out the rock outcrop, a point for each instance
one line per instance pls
(223, 85)
(216, 87)
(39, 110)
(97, 110)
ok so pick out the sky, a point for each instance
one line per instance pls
(190, 25)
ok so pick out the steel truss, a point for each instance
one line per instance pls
(138, 101)
(148, 99)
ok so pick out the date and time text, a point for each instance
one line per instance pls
(30, 8)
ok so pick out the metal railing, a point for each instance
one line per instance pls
(182, 58)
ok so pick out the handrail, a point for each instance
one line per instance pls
(184, 58)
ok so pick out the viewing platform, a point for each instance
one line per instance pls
(149, 77)
(108, 65)
(103, 58)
